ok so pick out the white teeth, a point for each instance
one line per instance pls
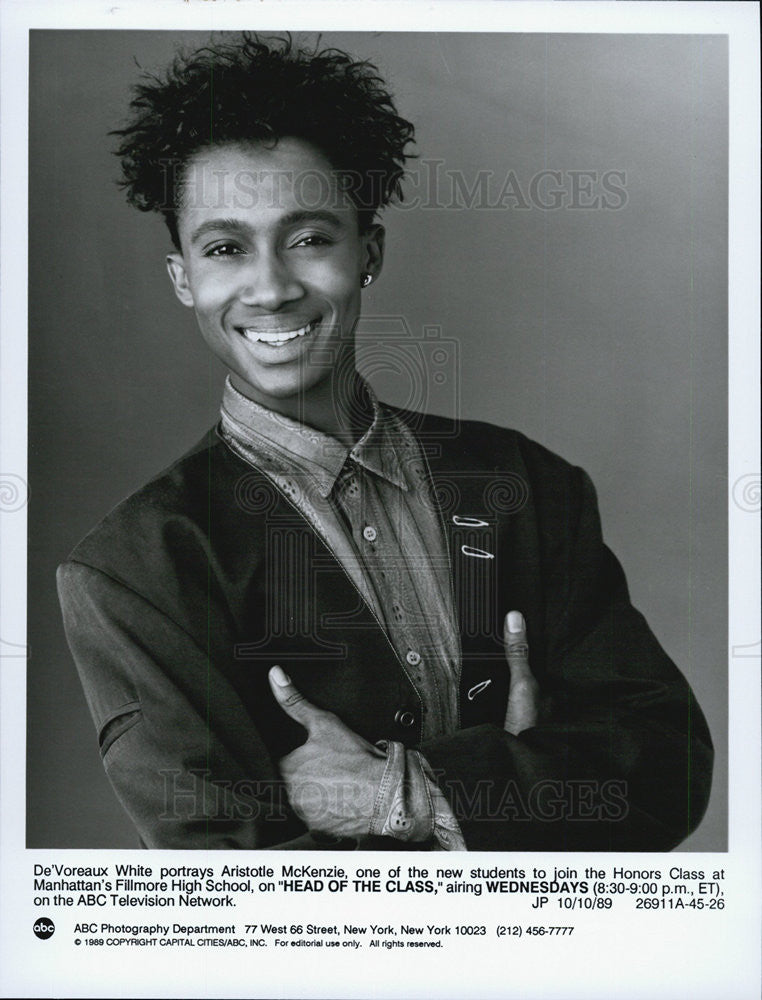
(276, 339)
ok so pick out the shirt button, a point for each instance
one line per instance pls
(404, 717)
(413, 658)
(369, 533)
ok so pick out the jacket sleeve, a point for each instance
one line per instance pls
(621, 758)
(184, 759)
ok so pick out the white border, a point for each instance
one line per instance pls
(733, 944)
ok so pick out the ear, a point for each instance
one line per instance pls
(373, 249)
(179, 277)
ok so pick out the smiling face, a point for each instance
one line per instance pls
(272, 261)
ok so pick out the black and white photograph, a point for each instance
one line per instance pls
(414, 408)
(380, 490)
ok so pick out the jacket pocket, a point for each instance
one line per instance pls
(123, 719)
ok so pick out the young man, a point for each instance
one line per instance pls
(312, 630)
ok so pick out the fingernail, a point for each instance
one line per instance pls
(515, 621)
(280, 676)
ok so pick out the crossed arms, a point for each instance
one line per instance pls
(337, 781)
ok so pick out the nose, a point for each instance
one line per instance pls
(267, 282)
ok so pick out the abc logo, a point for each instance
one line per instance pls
(44, 927)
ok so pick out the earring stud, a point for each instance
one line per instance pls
(366, 280)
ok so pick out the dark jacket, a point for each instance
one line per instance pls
(184, 596)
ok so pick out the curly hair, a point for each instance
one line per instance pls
(255, 89)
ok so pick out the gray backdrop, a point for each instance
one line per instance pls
(601, 332)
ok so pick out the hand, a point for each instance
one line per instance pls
(523, 694)
(333, 779)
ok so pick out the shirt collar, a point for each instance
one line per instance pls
(297, 447)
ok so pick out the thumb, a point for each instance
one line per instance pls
(516, 646)
(523, 697)
(290, 700)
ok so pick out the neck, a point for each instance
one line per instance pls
(335, 406)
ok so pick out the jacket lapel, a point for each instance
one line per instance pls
(300, 609)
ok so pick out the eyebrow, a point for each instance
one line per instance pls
(243, 228)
